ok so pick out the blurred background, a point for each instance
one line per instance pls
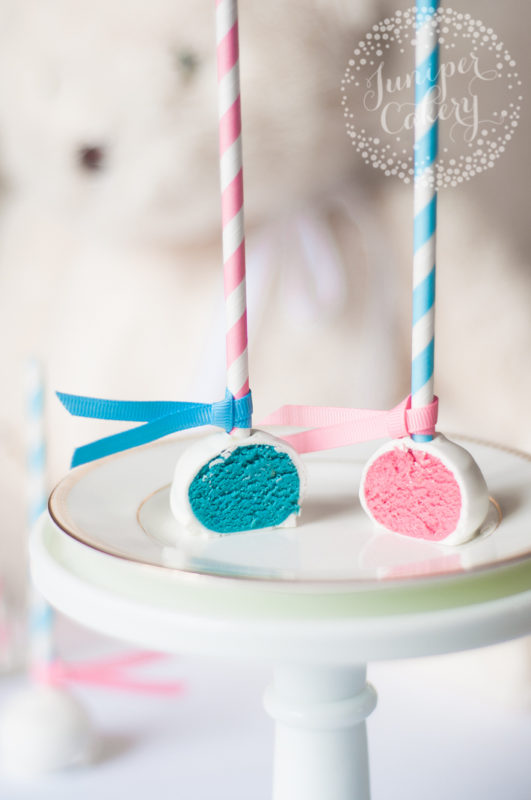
(110, 259)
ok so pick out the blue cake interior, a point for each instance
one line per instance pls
(254, 486)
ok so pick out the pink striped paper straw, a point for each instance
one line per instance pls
(231, 171)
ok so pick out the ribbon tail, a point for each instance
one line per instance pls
(114, 444)
(111, 679)
(306, 416)
(142, 434)
(109, 674)
(123, 410)
(133, 659)
(146, 687)
(342, 435)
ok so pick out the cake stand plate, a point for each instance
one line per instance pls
(318, 601)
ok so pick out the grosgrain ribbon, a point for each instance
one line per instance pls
(340, 427)
(110, 673)
(161, 419)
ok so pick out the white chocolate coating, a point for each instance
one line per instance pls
(474, 491)
(203, 451)
(43, 729)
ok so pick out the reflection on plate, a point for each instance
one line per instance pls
(120, 506)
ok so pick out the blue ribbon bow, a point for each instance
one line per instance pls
(160, 418)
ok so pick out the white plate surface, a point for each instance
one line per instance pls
(120, 506)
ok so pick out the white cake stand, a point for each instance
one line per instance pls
(317, 602)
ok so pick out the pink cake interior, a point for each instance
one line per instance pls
(413, 493)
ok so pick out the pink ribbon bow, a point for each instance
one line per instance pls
(339, 427)
(107, 672)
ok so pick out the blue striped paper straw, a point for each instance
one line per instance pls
(425, 203)
(40, 613)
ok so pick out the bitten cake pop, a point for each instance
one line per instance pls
(226, 484)
(420, 484)
(242, 479)
(426, 487)
(427, 490)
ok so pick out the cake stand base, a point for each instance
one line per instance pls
(320, 738)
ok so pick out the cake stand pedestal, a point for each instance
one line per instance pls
(320, 739)
(317, 631)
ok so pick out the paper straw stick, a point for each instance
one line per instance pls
(425, 204)
(6, 633)
(41, 615)
(231, 172)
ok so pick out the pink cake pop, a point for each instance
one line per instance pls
(427, 490)
(425, 486)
